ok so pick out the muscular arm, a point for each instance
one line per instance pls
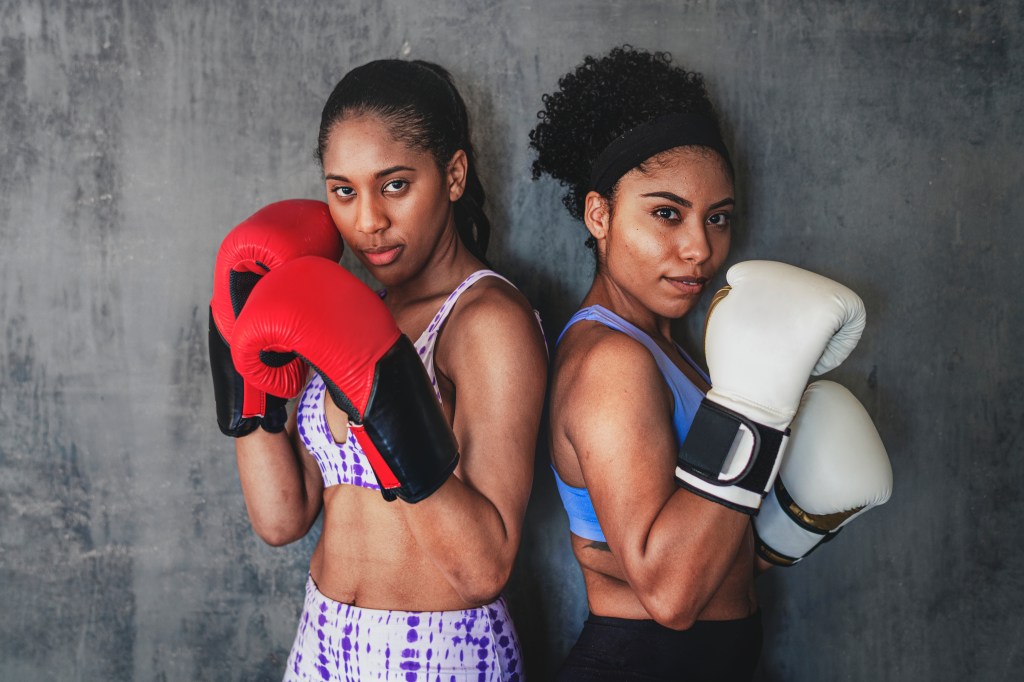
(674, 548)
(493, 353)
(281, 483)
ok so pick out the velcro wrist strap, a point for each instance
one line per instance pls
(730, 496)
(275, 416)
(724, 447)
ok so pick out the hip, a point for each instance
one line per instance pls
(337, 641)
(622, 649)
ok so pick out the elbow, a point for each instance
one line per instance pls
(280, 524)
(672, 613)
(673, 604)
(482, 583)
(276, 538)
(277, 533)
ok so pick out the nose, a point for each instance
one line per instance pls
(695, 246)
(370, 216)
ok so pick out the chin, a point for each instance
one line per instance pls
(386, 277)
(679, 309)
(392, 275)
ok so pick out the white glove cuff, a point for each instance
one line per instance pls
(733, 497)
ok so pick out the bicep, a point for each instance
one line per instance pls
(499, 369)
(622, 433)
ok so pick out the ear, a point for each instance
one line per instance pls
(597, 215)
(455, 175)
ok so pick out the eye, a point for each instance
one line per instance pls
(394, 186)
(720, 221)
(343, 191)
(666, 213)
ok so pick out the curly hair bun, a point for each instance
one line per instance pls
(601, 99)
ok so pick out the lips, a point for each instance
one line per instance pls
(688, 284)
(382, 255)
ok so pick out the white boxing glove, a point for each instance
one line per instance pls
(766, 333)
(835, 469)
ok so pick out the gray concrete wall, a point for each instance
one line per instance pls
(876, 142)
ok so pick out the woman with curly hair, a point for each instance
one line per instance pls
(669, 573)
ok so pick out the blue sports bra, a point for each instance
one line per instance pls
(686, 399)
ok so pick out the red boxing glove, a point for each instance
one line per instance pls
(272, 236)
(314, 310)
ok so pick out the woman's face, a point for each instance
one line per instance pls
(391, 203)
(669, 230)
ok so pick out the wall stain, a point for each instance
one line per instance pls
(69, 605)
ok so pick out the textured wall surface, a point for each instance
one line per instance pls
(879, 143)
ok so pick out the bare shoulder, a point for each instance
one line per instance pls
(604, 384)
(494, 313)
(593, 356)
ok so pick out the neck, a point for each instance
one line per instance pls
(607, 293)
(449, 264)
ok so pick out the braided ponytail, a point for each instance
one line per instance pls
(470, 219)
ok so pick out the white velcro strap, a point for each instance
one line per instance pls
(731, 496)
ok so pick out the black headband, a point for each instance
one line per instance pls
(635, 146)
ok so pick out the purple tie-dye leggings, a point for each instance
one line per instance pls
(342, 642)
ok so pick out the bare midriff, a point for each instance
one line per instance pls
(367, 557)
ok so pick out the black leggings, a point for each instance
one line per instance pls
(621, 649)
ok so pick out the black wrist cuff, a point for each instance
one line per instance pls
(711, 439)
(276, 416)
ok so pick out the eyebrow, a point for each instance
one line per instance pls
(686, 203)
(377, 175)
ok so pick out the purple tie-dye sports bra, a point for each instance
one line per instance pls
(345, 463)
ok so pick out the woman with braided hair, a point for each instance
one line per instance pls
(424, 487)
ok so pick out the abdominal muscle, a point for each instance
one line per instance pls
(367, 555)
(609, 593)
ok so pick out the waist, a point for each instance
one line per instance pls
(651, 628)
(710, 650)
(367, 556)
(398, 619)
(342, 641)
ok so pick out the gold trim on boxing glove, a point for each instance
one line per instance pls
(773, 557)
(719, 295)
(821, 523)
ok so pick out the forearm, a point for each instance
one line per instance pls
(466, 537)
(685, 557)
(282, 495)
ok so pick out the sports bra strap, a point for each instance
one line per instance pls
(428, 339)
